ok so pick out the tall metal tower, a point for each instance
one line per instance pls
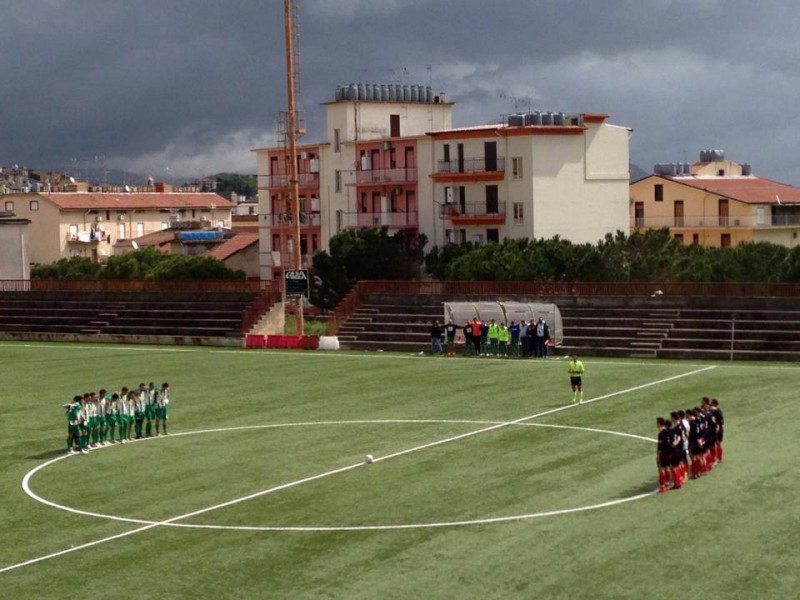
(290, 126)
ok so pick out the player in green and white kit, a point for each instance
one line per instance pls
(576, 371)
(101, 417)
(162, 410)
(75, 417)
(139, 411)
(150, 408)
(91, 420)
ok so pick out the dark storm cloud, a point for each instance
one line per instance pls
(193, 86)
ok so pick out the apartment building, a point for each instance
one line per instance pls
(65, 224)
(393, 159)
(715, 202)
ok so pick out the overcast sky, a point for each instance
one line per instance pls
(182, 88)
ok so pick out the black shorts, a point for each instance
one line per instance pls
(664, 459)
(678, 457)
(719, 434)
(576, 380)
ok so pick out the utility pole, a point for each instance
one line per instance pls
(291, 134)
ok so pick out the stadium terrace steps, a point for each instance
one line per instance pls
(138, 317)
(694, 328)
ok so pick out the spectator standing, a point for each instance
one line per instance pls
(468, 347)
(524, 340)
(503, 341)
(494, 337)
(450, 333)
(436, 338)
(477, 328)
(513, 332)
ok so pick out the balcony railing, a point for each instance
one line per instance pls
(87, 237)
(393, 220)
(399, 176)
(303, 179)
(471, 165)
(287, 219)
(285, 260)
(749, 222)
(472, 209)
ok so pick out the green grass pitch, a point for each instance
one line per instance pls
(486, 484)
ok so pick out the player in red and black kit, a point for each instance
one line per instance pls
(720, 428)
(710, 455)
(664, 454)
(695, 444)
(679, 466)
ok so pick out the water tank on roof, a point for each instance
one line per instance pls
(558, 118)
(339, 93)
(390, 95)
(536, 118)
(398, 92)
(406, 93)
(414, 93)
(367, 91)
(429, 95)
(528, 119)
(747, 170)
(362, 91)
(384, 92)
(516, 120)
(376, 91)
(352, 92)
(720, 154)
(547, 118)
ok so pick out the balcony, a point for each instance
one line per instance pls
(470, 169)
(474, 213)
(377, 220)
(285, 260)
(387, 176)
(311, 219)
(86, 237)
(304, 180)
(718, 222)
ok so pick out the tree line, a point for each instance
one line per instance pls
(649, 256)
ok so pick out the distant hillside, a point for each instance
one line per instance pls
(638, 173)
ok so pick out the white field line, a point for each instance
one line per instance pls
(342, 469)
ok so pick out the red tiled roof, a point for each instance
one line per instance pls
(134, 200)
(750, 190)
(233, 245)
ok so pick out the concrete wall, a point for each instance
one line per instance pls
(14, 261)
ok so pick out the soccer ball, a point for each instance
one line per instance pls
(368, 458)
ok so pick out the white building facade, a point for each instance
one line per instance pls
(400, 164)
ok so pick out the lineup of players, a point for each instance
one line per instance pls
(96, 418)
(689, 444)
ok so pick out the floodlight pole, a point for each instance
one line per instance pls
(291, 133)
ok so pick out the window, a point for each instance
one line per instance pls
(725, 240)
(493, 235)
(446, 149)
(121, 231)
(516, 167)
(519, 214)
(394, 125)
(314, 242)
(73, 232)
(9, 206)
(659, 192)
(34, 205)
(678, 213)
(638, 214)
(337, 140)
(276, 243)
(337, 182)
(679, 237)
(139, 229)
(695, 239)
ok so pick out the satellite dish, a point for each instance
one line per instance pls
(135, 245)
(127, 188)
(72, 180)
